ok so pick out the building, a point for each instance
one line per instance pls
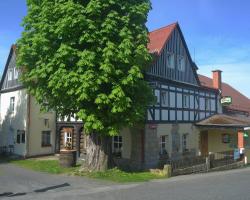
(187, 120)
(169, 130)
(24, 131)
(228, 131)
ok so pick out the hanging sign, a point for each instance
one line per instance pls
(246, 135)
(226, 101)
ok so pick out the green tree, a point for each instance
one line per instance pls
(87, 58)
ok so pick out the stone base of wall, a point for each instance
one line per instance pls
(205, 168)
(191, 170)
(235, 165)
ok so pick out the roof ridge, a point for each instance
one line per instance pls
(158, 29)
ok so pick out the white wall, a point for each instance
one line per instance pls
(37, 125)
(11, 122)
(180, 129)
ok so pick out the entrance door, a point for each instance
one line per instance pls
(204, 143)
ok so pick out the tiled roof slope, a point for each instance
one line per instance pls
(239, 101)
(225, 120)
(159, 37)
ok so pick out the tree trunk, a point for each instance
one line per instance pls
(99, 153)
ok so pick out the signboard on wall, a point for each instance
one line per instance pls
(152, 126)
(226, 101)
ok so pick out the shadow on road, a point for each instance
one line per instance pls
(52, 188)
(11, 194)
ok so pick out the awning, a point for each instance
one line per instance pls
(225, 121)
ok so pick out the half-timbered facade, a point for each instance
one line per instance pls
(173, 76)
(24, 130)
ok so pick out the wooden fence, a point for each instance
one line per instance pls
(203, 163)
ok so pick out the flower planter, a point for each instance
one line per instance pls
(67, 158)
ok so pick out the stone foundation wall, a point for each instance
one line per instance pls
(191, 170)
(151, 148)
(229, 166)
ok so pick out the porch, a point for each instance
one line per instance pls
(221, 133)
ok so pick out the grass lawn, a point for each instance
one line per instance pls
(116, 175)
(49, 166)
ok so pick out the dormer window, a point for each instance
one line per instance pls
(12, 104)
(15, 73)
(181, 63)
(170, 60)
(10, 75)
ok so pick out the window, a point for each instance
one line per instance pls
(157, 96)
(207, 104)
(186, 101)
(225, 138)
(172, 99)
(164, 98)
(184, 142)
(15, 73)
(170, 60)
(12, 104)
(46, 138)
(10, 75)
(181, 63)
(20, 137)
(117, 144)
(179, 100)
(163, 144)
(68, 139)
(23, 137)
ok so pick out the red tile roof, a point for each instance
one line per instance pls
(239, 101)
(159, 37)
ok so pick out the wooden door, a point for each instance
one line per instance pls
(204, 143)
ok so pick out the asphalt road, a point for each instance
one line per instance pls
(18, 183)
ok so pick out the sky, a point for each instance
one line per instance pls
(216, 32)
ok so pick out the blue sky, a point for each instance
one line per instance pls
(216, 30)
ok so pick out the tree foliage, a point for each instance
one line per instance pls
(88, 58)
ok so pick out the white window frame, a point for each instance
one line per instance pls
(20, 137)
(181, 62)
(207, 104)
(12, 104)
(16, 72)
(68, 138)
(164, 98)
(10, 75)
(164, 142)
(170, 60)
(186, 100)
(117, 140)
(157, 96)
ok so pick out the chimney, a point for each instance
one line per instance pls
(217, 82)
